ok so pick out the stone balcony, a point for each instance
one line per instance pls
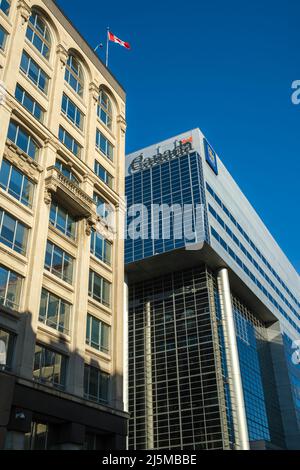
(70, 195)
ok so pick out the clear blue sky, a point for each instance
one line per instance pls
(223, 66)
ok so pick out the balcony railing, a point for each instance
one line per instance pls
(71, 196)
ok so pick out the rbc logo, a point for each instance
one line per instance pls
(211, 157)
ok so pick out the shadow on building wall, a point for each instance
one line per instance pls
(46, 404)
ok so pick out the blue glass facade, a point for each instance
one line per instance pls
(157, 180)
(176, 182)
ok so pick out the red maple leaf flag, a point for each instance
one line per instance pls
(114, 38)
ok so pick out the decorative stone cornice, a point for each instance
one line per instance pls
(63, 55)
(22, 161)
(25, 10)
(49, 142)
(94, 91)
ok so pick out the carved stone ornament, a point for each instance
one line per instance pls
(62, 54)
(122, 122)
(90, 225)
(94, 91)
(48, 197)
(19, 159)
(25, 11)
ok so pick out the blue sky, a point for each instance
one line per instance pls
(226, 67)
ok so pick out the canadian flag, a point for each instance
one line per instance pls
(114, 38)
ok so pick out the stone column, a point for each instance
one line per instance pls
(14, 52)
(232, 357)
(34, 280)
(55, 99)
(118, 310)
(6, 107)
(79, 312)
(90, 152)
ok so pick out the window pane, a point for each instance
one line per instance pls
(8, 230)
(4, 174)
(93, 384)
(43, 305)
(57, 261)
(97, 287)
(3, 284)
(105, 331)
(48, 256)
(52, 317)
(20, 238)
(13, 290)
(5, 6)
(95, 339)
(106, 292)
(3, 36)
(68, 269)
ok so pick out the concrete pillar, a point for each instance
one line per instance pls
(57, 88)
(33, 282)
(148, 380)
(118, 309)
(79, 314)
(125, 339)
(6, 106)
(234, 373)
(14, 52)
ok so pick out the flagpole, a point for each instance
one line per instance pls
(107, 43)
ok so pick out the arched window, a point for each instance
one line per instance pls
(74, 75)
(22, 139)
(66, 172)
(38, 34)
(104, 109)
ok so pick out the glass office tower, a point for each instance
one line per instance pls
(213, 309)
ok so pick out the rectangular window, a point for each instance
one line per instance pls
(10, 288)
(13, 233)
(15, 183)
(104, 210)
(100, 247)
(55, 312)
(29, 103)
(97, 334)
(62, 220)
(103, 174)
(22, 139)
(50, 367)
(5, 6)
(96, 384)
(7, 343)
(104, 145)
(69, 142)
(99, 288)
(72, 111)
(3, 37)
(34, 72)
(59, 263)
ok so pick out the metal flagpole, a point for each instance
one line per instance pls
(107, 43)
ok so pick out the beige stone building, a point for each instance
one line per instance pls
(62, 140)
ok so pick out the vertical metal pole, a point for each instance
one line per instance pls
(148, 380)
(107, 43)
(234, 373)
